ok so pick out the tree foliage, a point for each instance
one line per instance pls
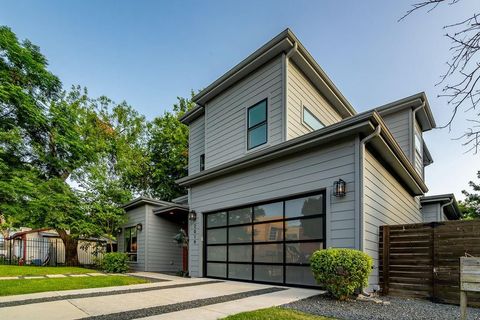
(461, 80)
(470, 207)
(68, 161)
(168, 152)
(51, 140)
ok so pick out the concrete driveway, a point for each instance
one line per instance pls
(175, 298)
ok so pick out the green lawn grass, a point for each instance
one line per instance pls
(22, 286)
(275, 314)
(12, 271)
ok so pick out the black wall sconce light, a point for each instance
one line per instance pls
(139, 227)
(192, 215)
(340, 188)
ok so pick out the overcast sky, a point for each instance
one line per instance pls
(150, 52)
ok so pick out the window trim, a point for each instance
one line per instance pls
(306, 109)
(265, 122)
(131, 253)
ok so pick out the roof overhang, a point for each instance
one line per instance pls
(427, 156)
(282, 43)
(144, 201)
(424, 115)
(175, 212)
(452, 211)
(362, 124)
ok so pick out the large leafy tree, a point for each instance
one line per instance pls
(106, 184)
(471, 205)
(45, 135)
(168, 152)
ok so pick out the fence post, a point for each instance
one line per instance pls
(10, 258)
(386, 258)
(434, 262)
(56, 252)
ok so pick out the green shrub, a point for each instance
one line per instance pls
(115, 262)
(341, 271)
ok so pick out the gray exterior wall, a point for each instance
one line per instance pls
(135, 216)
(163, 254)
(301, 92)
(385, 202)
(431, 212)
(399, 124)
(196, 144)
(313, 170)
(225, 115)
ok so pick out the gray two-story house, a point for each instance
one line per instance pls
(281, 165)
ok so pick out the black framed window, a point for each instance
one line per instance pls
(131, 242)
(257, 125)
(269, 242)
(202, 162)
(311, 120)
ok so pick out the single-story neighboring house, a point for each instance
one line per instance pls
(44, 247)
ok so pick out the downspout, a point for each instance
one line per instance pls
(363, 142)
(443, 206)
(285, 88)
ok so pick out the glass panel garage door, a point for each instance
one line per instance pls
(269, 242)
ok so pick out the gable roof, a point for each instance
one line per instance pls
(282, 43)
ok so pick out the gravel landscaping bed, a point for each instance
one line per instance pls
(398, 309)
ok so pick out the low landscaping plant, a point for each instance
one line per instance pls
(341, 271)
(114, 262)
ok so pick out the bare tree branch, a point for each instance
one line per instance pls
(461, 81)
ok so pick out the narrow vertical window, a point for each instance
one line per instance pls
(202, 162)
(257, 125)
(131, 246)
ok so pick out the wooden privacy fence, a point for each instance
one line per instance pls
(423, 260)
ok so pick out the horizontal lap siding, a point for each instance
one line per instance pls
(399, 125)
(430, 212)
(134, 217)
(386, 202)
(308, 171)
(225, 121)
(196, 144)
(301, 93)
(164, 254)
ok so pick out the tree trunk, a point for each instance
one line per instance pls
(71, 245)
(110, 242)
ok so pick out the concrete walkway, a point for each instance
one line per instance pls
(74, 275)
(175, 298)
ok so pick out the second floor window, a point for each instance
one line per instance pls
(257, 125)
(131, 245)
(202, 162)
(310, 120)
